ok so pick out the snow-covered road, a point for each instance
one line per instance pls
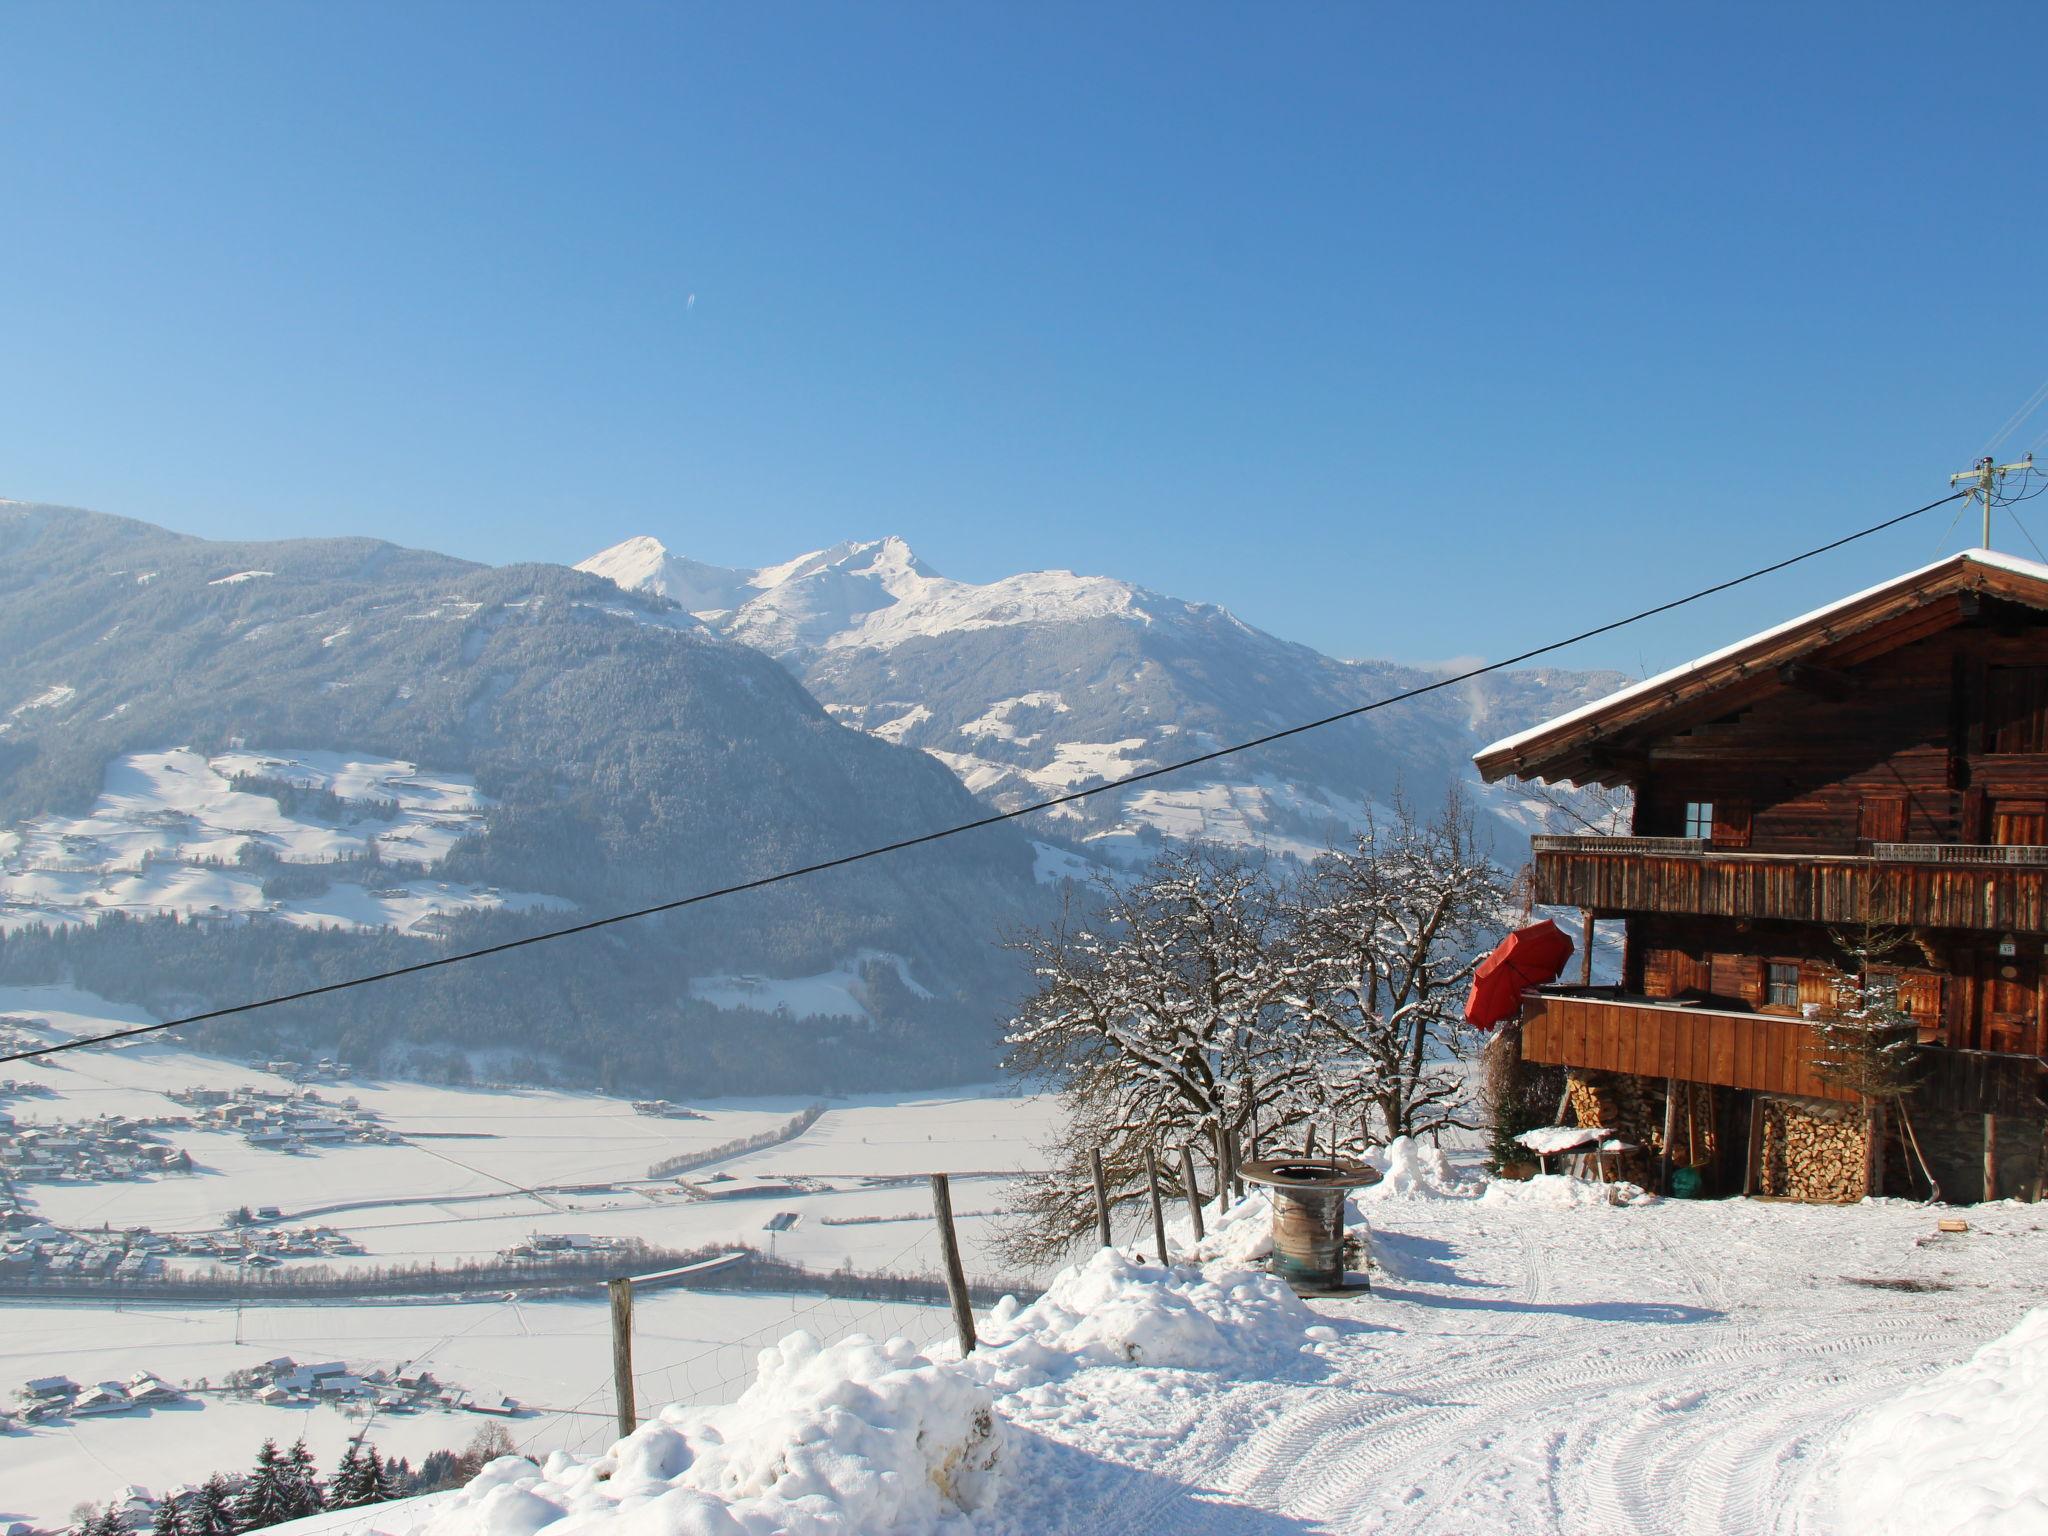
(1667, 1368)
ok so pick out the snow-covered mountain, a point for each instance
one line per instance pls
(1050, 681)
(227, 768)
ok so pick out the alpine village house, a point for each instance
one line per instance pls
(1879, 766)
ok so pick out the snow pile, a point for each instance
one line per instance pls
(1558, 1192)
(828, 1441)
(1233, 1235)
(864, 1437)
(1416, 1170)
(1960, 1454)
(1111, 1311)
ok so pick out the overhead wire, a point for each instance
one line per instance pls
(994, 818)
(2018, 418)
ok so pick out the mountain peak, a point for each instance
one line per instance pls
(633, 562)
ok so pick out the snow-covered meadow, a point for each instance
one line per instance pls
(169, 827)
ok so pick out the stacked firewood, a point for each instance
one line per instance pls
(1811, 1150)
(1630, 1108)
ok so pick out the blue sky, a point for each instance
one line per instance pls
(1403, 331)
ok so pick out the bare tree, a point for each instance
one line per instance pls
(1171, 1015)
(1397, 926)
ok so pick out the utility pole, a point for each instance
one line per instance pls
(1983, 478)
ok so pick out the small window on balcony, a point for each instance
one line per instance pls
(1781, 985)
(1699, 819)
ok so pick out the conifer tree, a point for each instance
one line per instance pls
(345, 1489)
(210, 1511)
(394, 1478)
(263, 1499)
(301, 1481)
(168, 1521)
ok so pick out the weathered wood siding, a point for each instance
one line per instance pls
(1918, 744)
(1765, 1052)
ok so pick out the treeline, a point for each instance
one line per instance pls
(309, 800)
(685, 1161)
(754, 1271)
(286, 1485)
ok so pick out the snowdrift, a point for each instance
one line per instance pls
(866, 1437)
(1960, 1454)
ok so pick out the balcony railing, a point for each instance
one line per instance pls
(1590, 844)
(1765, 1052)
(1959, 853)
(1921, 885)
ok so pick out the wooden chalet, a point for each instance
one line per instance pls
(1879, 763)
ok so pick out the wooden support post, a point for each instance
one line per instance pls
(622, 1354)
(1875, 1130)
(949, 1254)
(1586, 922)
(1101, 1197)
(1671, 1134)
(1194, 1190)
(1750, 1160)
(1158, 1215)
(1991, 1157)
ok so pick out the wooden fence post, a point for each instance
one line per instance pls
(1751, 1170)
(1671, 1135)
(949, 1254)
(1158, 1215)
(622, 1353)
(1236, 1179)
(1101, 1196)
(1990, 1157)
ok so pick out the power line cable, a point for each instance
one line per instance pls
(2018, 418)
(995, 818)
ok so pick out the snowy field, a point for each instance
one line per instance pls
(168, 828)
(493, 1167)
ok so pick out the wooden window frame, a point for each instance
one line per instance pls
(1699, 819)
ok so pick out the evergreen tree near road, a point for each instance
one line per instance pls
(169, 1519)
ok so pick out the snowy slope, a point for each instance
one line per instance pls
(170, 834)
(1049, 681)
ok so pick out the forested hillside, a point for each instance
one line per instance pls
(570, 748)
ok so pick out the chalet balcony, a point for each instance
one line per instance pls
(1601, 1030)
(1994, 888)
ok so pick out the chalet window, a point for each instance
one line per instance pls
(1781, 985)
(2016, 709)
(1699, 819)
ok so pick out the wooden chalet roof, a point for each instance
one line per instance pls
(1601, 742)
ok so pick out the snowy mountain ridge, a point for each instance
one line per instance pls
(1049, 681)
(873, 594)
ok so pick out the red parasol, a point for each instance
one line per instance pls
(1526, 958)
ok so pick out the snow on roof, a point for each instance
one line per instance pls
(1664, 680)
